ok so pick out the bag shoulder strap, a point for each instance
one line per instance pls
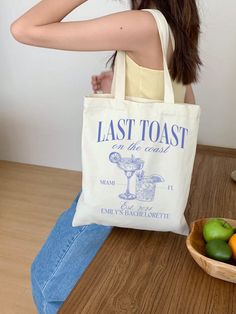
(118, 82)
(172, 38)
(157, 13)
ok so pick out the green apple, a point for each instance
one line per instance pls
(219, 250)
(217, 228)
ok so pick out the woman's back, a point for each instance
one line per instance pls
(149, 83)
(144, 68)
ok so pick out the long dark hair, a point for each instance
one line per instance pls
(183, 19)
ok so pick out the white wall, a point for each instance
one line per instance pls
(216, 90)
(41, 90)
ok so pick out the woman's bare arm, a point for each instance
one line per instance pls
(189, 95)
(41, 26)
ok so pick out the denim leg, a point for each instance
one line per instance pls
(63, 258)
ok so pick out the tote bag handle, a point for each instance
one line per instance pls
(118, 82)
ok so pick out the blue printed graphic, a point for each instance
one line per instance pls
(129, 166)
(145, 185)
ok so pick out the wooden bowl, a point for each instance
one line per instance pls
(196, 246)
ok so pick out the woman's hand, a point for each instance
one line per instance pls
(102, 82)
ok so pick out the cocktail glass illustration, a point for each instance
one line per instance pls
(129, 165)
(146, 186)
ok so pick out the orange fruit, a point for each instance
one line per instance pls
(232, 244)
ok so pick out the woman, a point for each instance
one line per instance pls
(68, 250)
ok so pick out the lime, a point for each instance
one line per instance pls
(157, 178)
(219, 250)
(114, 157)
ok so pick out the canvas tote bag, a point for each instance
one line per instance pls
(137, 155)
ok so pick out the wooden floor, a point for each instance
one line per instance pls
(32, 197)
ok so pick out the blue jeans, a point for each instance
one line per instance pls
(63, 258)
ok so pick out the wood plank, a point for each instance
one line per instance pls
(216, 150)
(139, 271)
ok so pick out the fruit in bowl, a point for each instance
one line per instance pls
(217, 232)
(217, 228)
(196, 245)
(232, 244)
(219, 250)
